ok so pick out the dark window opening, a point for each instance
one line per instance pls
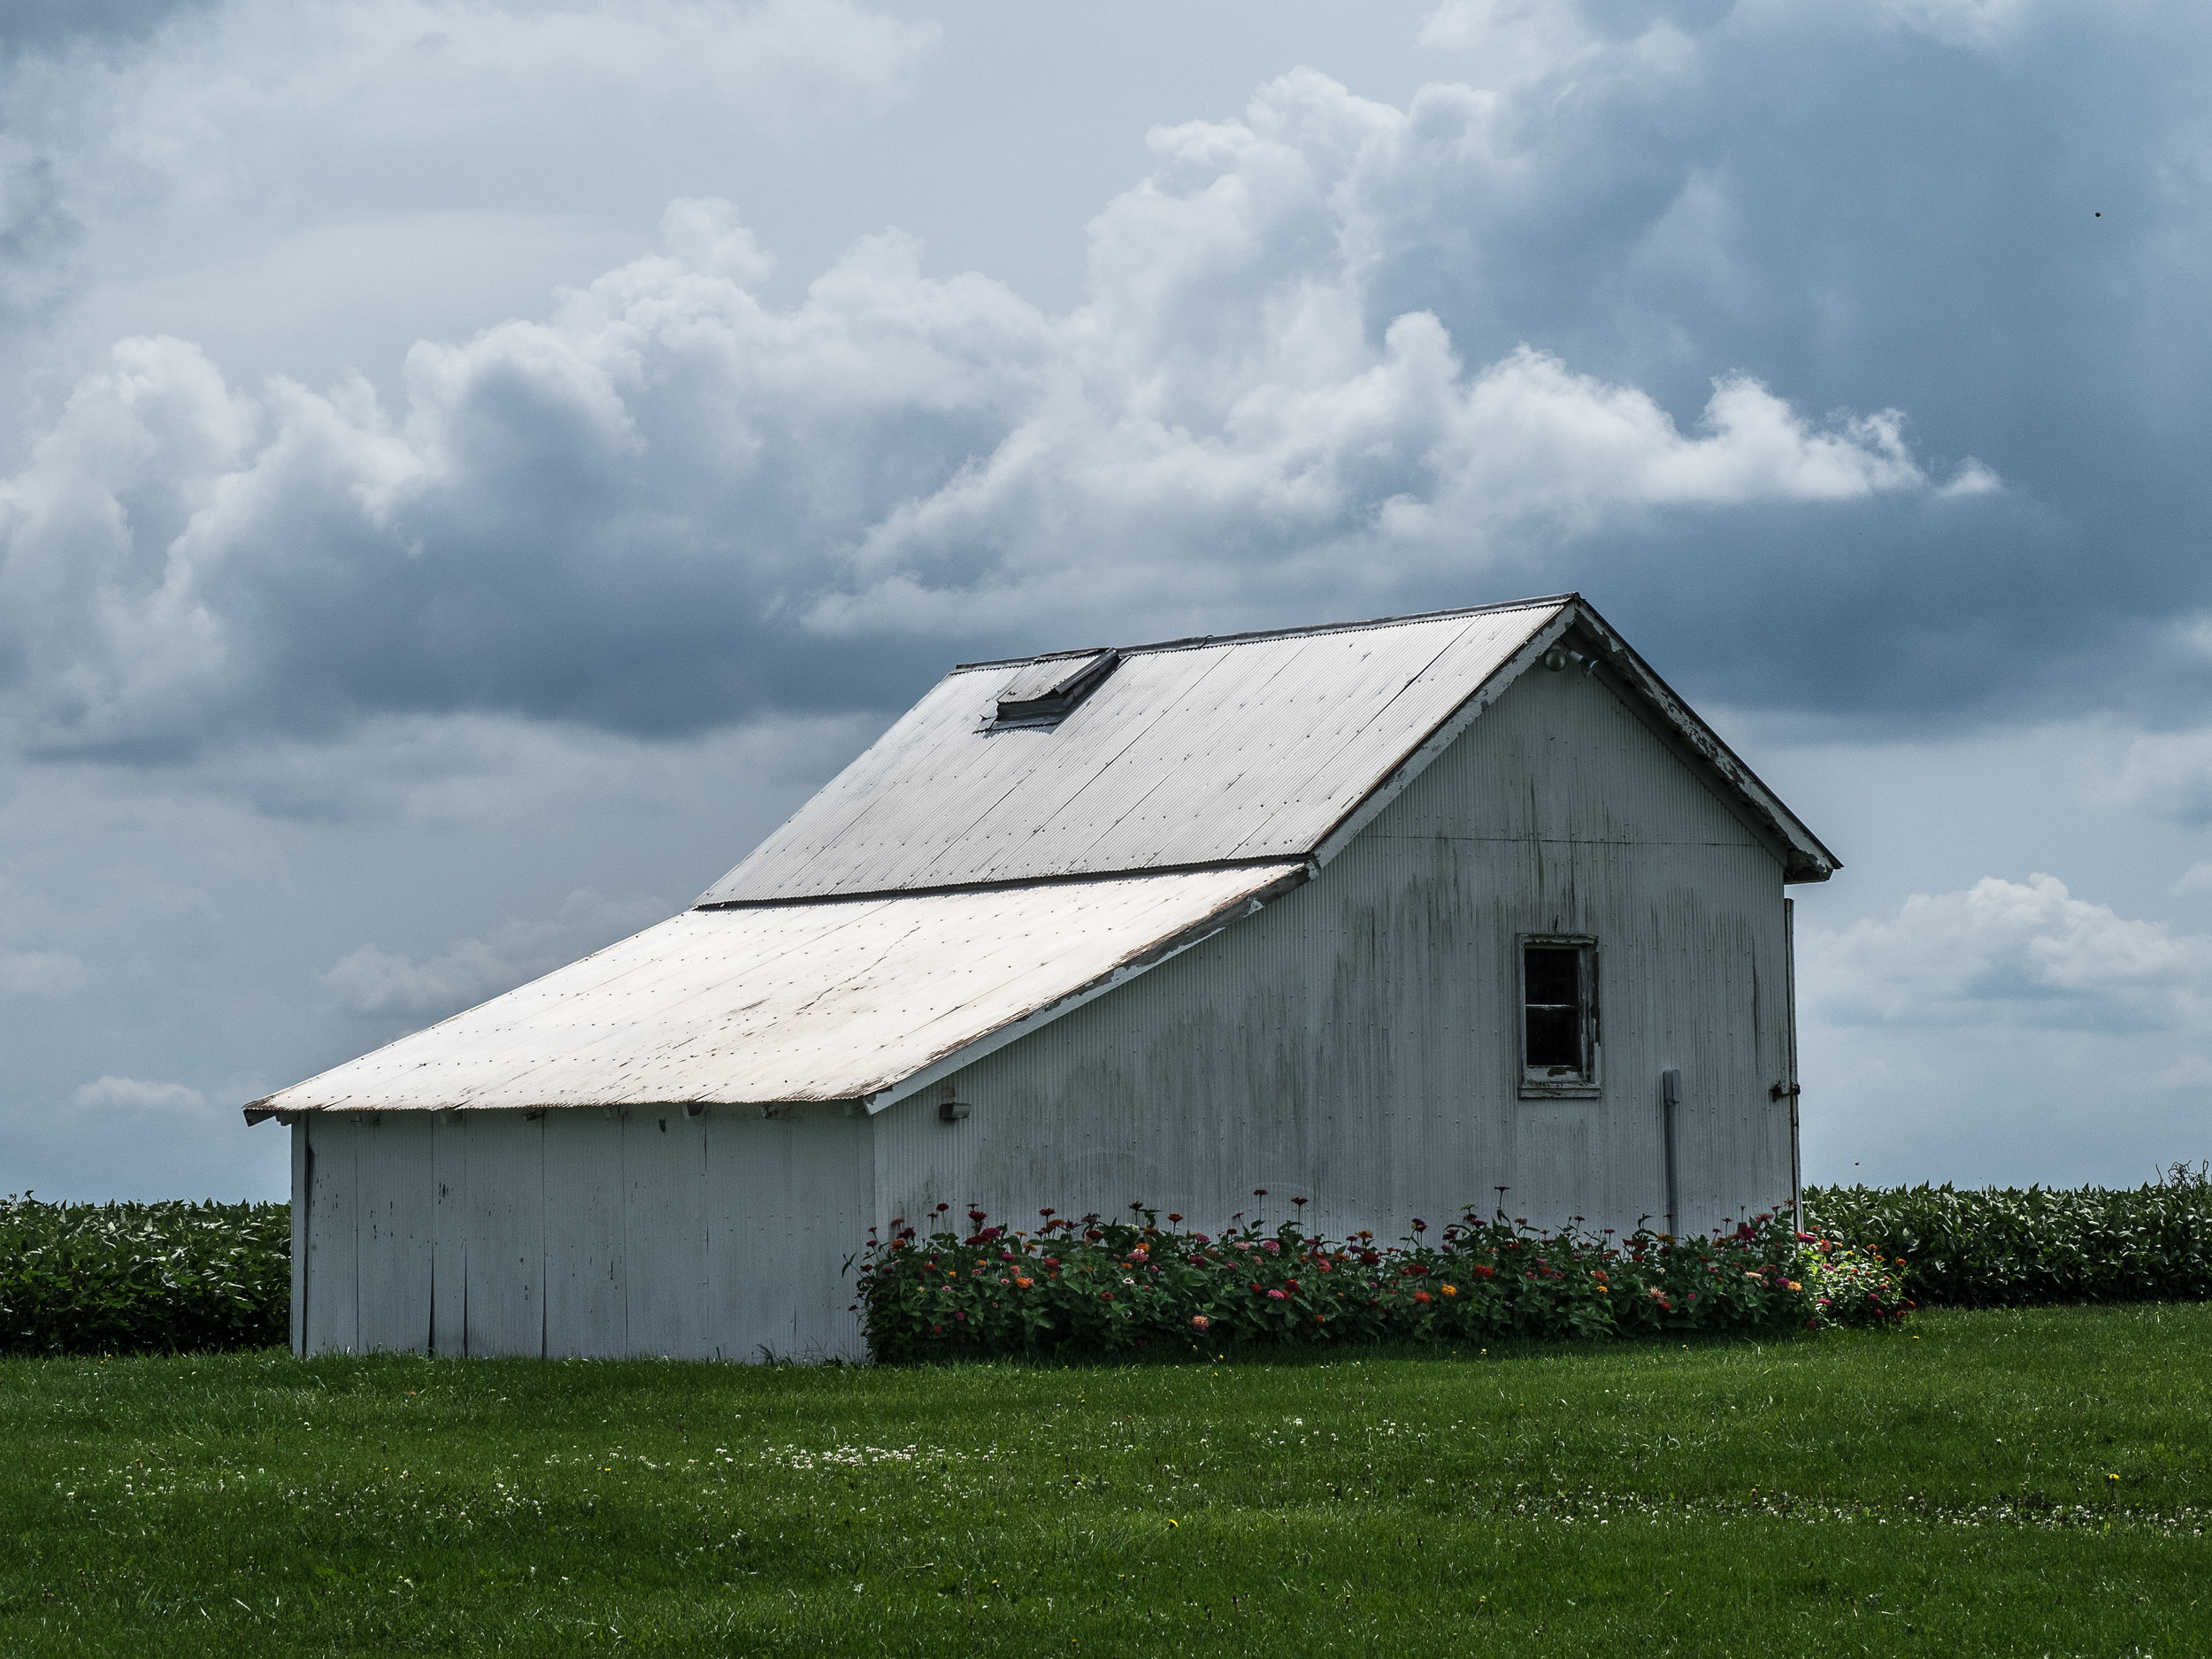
(1558, 1014)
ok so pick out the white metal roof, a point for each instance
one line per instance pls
(1189, 753)
(839, 1001)
(1029, 835)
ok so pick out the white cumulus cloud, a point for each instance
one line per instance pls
(2006, 953)
(2170, 773)
(130, 1094)
(651, 509)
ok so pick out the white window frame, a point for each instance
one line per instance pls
(1550, 1082)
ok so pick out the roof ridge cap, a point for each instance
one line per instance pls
(1197, 641)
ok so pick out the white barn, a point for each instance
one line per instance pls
(1389, 916)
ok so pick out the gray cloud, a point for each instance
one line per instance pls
(39, 974)
(30, 26)
(1651, 315)
(673, 505)
(1581, 329)
(39, 239)
(379, 983)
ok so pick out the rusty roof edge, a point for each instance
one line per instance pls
(889, 1091)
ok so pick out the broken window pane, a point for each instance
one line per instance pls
(1555, 987)
(1554, 975)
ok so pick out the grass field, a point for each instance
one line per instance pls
(1947, 1491)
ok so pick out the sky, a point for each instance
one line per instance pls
(467, 472)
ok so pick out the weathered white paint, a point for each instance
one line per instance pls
(587, 1308)
(1342, 1025)
(1357, 1042)
(807, 1001)
(581, 1233)
(395, 1223)
(664, 1224)
(300, 1199)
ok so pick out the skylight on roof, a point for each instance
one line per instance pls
(1048, 688)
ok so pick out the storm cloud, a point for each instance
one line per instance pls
(388, 487)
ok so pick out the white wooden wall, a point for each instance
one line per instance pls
(578, 1232)
(1357, 1042)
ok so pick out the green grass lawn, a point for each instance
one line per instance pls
(1948, 1491)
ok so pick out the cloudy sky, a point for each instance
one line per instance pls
(468, 471)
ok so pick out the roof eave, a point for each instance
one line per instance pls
(879, 1093)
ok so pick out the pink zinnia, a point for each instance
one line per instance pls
(1276, 1296)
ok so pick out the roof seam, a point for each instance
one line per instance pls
(876, 895)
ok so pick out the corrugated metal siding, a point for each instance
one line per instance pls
(809, 1001)
(1190, 755)
(1357, 1042)
(577, 1232)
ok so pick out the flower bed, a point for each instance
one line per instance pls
(1091, 1285)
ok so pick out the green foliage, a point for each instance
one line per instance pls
(143, 1279)
(1851, 1286)
(1094, 1286)
(2010, 1247)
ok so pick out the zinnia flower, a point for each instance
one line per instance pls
(1199, 1322)
(1423, 1296)
(1025, 1283)
(1451, 1290)
(1277, 1295)
(1482, 1270)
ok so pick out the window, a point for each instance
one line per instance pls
(1559, 1016)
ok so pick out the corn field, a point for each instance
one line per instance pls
(143, 1279)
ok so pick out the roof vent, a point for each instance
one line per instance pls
(1047, 690)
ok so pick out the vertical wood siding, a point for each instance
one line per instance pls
(577, 1232)
(666, 1232)
(1358, 1043)
(300, 1199)
(790, 1198)
(586, 1302)
(449, 1273)
(333, 1319)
